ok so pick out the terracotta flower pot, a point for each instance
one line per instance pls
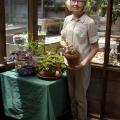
(47, 73)
(72, 59)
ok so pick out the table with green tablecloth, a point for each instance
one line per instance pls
(32, 98)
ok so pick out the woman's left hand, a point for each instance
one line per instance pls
(80, 65)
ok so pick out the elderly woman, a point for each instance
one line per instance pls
(79, 30)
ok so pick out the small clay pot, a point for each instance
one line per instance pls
(72, 59)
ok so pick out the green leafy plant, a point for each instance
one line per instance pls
(51, 62)
(102, 8)
(116, 10)
(37, 47)
(72, 50)
(91, 7)
(101, 5)
(94, 6)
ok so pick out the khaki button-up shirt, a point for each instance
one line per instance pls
(80, 33)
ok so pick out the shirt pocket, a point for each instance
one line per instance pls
(81, 36)
(81, 31)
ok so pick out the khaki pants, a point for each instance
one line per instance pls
(78, 82)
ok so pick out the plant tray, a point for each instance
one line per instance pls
(48, 78)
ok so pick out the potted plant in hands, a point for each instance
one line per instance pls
(51, 65)
(72, 55)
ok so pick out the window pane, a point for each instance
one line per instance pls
(51, 14)
(114, 56)
(97, 10)
(16, 15)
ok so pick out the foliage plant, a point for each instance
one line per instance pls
(116, 10)
(94, 6)
(37, 47)
(51, 62)
(101, 5)
(91, 7)
(72, 50)
(98, 6)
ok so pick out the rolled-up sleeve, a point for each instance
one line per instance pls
(92, 32)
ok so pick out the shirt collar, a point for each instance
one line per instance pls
(81, 19)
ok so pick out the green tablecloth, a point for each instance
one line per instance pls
(31, 98)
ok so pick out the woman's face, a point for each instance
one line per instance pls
(77, 6)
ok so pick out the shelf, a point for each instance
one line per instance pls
(98, 66)
(116, 38)
(53, 8)
(113, 68)
(108, 68)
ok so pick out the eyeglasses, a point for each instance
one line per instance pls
(78, 1)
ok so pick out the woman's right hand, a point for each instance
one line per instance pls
(66, 49)
(64, 44)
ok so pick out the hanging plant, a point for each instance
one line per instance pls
(94, 6)
(116, 10)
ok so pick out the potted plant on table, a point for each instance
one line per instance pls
(23, 61)
(51, 65)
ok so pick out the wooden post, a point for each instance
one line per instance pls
(32, 20)
(106, 56)
(2, 32)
